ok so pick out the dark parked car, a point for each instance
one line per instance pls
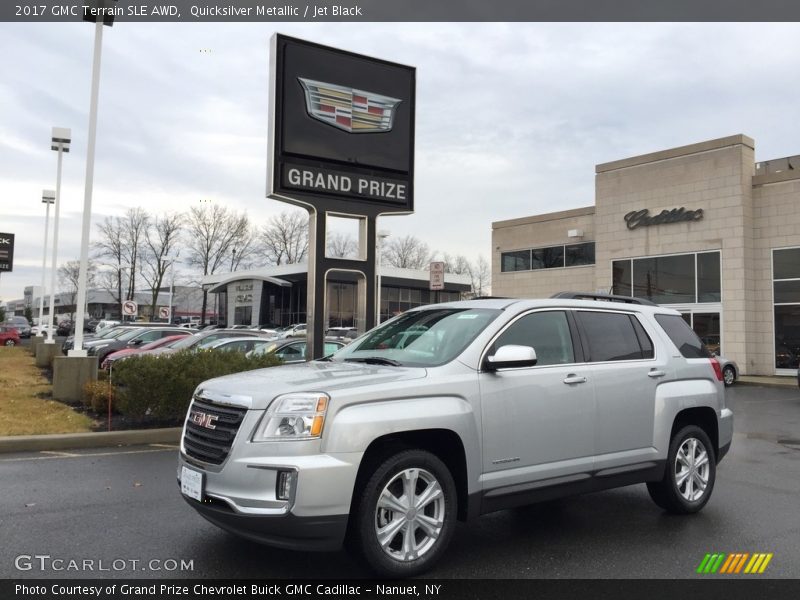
(65, 328)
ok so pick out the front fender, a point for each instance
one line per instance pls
(355, 427)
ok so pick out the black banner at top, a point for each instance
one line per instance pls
(406, 10)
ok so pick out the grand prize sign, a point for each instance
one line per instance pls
(341, 134)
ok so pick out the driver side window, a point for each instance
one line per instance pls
(547, 332)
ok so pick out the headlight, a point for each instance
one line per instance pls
(293, 417)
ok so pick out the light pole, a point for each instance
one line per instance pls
(171, 260)
(382, 235)
(61, 138)
(48, 198)
(87, 196)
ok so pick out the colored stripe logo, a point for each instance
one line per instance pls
(735, 563)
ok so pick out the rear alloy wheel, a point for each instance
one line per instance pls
(11, 343)
(690, 474)
(406, 514)
(728, 375)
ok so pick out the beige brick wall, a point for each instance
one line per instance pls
(713, 177)
(534, 232)
(745, 217)
(776, 219)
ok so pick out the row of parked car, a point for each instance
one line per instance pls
(113, 343)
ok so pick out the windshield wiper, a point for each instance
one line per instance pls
(376, 360)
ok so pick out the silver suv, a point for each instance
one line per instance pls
(451, 411)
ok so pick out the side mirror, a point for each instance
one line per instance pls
(511, 357)
(136, 343)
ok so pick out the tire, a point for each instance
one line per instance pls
(379, 510)
(10, 343)
(691, 462)
(729, 376)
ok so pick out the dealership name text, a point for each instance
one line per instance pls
(200, 589)
(334, 182)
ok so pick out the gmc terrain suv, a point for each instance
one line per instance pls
(451, 411)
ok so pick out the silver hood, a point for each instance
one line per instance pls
(256, 389)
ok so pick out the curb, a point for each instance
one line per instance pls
(776, 382)
(66, 441)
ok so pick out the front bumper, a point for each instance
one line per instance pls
(240, 494)
(282, 531)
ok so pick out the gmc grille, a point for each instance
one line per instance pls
(212, 445)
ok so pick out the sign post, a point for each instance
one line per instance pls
(437, 276)
(341, 134)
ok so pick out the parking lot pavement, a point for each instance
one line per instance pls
(123, 505)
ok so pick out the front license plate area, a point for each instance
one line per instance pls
(192, 483)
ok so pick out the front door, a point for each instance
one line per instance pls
(537, 421)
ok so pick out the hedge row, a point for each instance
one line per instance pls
(161, 387)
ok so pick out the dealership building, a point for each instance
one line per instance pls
(277, 295)
(701, 228)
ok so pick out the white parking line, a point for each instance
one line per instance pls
(50, 455)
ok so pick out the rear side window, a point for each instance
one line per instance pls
(684, 338)
(613, 336)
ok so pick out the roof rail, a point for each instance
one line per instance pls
(602, 298)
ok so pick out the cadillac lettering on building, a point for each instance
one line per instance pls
(329, 181)
(642, 218)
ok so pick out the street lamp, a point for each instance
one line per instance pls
(60, 140)
(382, 235)
(171, 260)
(100, 18)
(48, 198)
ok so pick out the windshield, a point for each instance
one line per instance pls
(114, 333)
(420, 338)
(188, 342)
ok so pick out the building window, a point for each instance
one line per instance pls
(579, 254)
(550, 257)
(673, 279)
(786, 299)
(516, 261)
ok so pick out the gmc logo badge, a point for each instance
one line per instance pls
(203, 419)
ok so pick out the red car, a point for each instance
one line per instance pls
(8, 336)
(125, 353)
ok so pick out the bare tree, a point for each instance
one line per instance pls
(109, 249)
(160, 244)
(407, 252)
(213, 233)
(341, 245)
(135, 225)
(68, 275)
(284, 238)
(479, 272)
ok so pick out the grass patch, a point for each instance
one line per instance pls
(24, 405)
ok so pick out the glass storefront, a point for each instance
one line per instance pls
(786, 299)
(672, 279)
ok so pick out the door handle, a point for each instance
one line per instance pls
(654, 373)
(575, 379)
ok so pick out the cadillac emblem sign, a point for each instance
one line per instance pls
(354, 111)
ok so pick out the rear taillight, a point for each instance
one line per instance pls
(717, 368)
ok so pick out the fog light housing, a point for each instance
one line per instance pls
(284, 485)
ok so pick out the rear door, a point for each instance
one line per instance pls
(626, 371)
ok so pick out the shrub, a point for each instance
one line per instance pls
(161, 387)
(96, 395)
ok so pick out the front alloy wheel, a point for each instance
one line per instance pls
(690, 474)
(405, 515)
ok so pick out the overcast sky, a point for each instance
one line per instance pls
(511, 118)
